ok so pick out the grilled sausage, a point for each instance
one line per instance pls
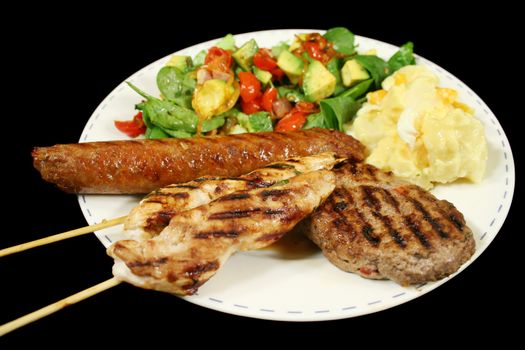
(141, 166)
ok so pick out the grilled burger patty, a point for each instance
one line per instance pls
(380, 227)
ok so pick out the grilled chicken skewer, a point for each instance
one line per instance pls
(198, 242)
(155, 211)
(171, 261)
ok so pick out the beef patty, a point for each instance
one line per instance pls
(381, 227)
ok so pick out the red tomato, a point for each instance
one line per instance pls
(250, 86)
(251, 106)
(263, 59)
(132, 128)
(268, 97)
(314, 50)
(277, 73)
(306, 107)
(218, 59)
(291, 122)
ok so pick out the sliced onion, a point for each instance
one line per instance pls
(281, 107)
(221, 75)
(203, 75)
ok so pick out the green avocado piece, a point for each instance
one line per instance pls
(318, 82)
(353, 73)
(291, 65)
(263, 75)
(244, 56)
(180, 62)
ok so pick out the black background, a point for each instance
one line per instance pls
(59, 63)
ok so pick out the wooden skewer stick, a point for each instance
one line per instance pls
(47, 310)
(62, 236)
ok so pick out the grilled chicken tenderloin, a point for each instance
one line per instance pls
(156, 210)
(198, 242)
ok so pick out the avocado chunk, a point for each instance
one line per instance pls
(291, 65)
(263, 75)
(353, 73)
(244, 56)
(180, 62)
(318, 82)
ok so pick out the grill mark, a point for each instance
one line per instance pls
(387, 222)
(371, 172)
(453, 218)
(274, 212)
(428, 218)
(234, 197)
(415, 230)
(367, 231)
(155, 263)
(233, 214)
(293, 160)
(199, 269)
(343, 193)
(217, 234)
(448, 215)
(274, 193)
(370, 199)
(160, 220)
(340, 206)
(391, 199)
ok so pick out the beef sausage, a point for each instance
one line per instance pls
(141, 166)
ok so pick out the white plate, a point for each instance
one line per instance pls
(306, 287)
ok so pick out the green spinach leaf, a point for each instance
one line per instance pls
(156, 133)
(178, 133)
(376, 66)
(338, 110)
(291, 94)
(176, 86)
(212, 124)
(255, 122)
(358, 90)
(166, 114)
(403, 57)
(342, 38)
(314, 121)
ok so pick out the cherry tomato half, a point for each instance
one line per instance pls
(291, 122)
(269, 96)
(132, 128)
(218, 59)
(250, 86)
(251, 107)
(263, 60)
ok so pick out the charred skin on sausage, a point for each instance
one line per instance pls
(141, 166)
